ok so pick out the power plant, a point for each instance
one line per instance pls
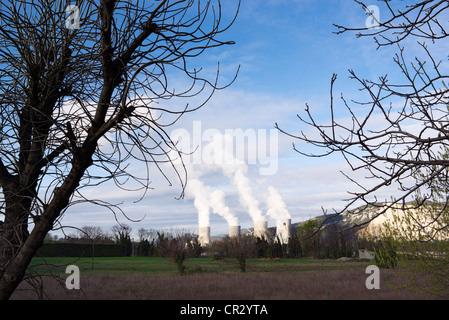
(282, 234)
(261, 229)
(234, 231)
(207, 200)
(204, 235)
(283, 230)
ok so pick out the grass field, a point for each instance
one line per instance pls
(165, 266)
(157, 278)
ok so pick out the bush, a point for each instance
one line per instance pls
(386, 256)
(309, 237)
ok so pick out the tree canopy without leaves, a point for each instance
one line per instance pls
(240, 247)
(397, 137)
(80, 102)
(179, 245)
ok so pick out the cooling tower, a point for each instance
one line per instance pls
(204, 236)
(234, 231)
(283, 227)
(261, 229)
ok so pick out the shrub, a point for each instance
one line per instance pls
(386, 256)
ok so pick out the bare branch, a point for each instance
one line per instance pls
(79, 106)
(398, 135)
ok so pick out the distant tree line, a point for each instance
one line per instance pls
(311, 239)
(151, 242)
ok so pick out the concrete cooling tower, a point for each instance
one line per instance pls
(234, 231)
(283, 229)
(204, 236)
(261, 229)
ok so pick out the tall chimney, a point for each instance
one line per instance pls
(234, 231)
(261, 229)
(283, 229)
(204, 235)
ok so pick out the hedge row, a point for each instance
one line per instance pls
(63, 249)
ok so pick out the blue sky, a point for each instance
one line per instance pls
(287, 53)
(293, 48)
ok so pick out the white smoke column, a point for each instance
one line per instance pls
(217, 203)
(236, 170)
(277, 209)
(195, 188)
(200, 193)
(247, 199)
(205, 199)
(218, 154)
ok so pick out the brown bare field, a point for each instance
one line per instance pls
(339, 285)
(290, 280)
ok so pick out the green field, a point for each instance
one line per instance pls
(166, 266)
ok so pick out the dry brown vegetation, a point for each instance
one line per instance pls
(337, 280)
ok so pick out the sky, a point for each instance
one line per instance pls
(286, 52)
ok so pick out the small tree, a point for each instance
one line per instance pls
(294, 247)
(93, 234)
(143, 247)
(337, 241)
(148, 239)
(122, 235)
(386, 254)
(241, 248)
(309, 237)
(179, 245)
(419, 240)
(262, 248)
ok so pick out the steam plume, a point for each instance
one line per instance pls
(217, 202)
(218, 155)
(199, 192)
(236, 170)
(206, 199)
(277, 208)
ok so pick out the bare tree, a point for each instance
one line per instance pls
(81, 101)
(142, 232)
(179, 245)
(122, 236)
(241, 248)
(93, 233)
(398, 134)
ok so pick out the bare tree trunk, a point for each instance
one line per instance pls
(15, 229)
(63, 89)
(15, 267)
